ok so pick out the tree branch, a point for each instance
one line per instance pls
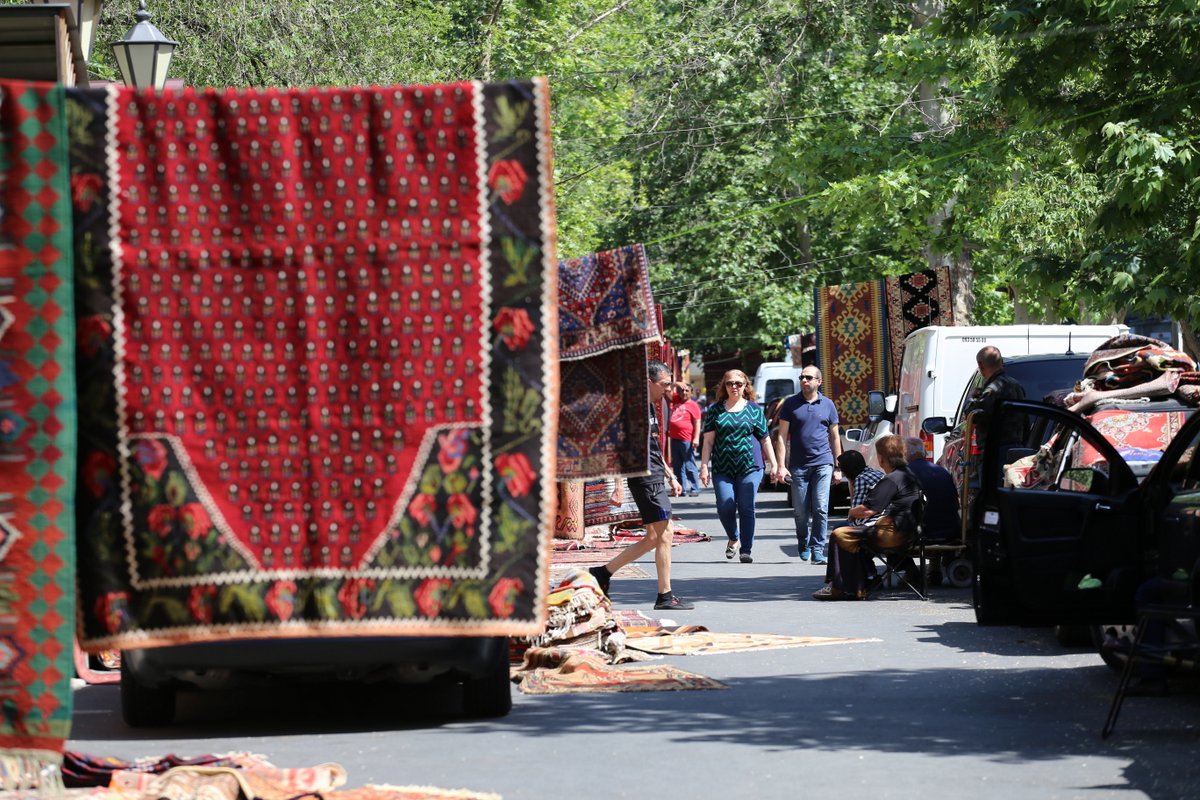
(596, 21)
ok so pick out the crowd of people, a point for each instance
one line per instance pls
(736, 452)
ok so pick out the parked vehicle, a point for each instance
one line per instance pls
(881, 419)
(151, 677)
(1039, 375)
(939, 360)
(1067, 532)
(775, 380)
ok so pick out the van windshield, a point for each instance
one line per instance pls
(780, 387)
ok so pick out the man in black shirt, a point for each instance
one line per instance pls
(653, 497)
(998, 385)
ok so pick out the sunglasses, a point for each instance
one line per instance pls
(735, 383)
(808, 377)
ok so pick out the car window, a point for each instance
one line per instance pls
(1040, 378)
(1186, 473)
(1065, 461)
(973, 386)
(779, 387)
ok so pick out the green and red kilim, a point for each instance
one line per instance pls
(37, 437)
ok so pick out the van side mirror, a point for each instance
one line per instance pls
(876, 406)
(935, 425)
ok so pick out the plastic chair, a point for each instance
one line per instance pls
(1182, 655)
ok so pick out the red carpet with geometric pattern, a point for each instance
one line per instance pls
(37, 437)
(326, 321)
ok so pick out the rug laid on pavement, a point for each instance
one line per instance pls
(38, 428)
(852, 346)
(268, 453)
(915, 301)
(605, 302)
(704, 642)
(252, 778)
(562, 670)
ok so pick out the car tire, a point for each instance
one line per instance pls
(490, 695)
(960, 573)
(1113, 643)
(142, 705)
(1074, 636)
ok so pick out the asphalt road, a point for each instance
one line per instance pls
(936, 707)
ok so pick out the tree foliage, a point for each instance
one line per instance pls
(762, 148)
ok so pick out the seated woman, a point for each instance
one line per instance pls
(890, 521)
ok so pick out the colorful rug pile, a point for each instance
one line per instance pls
(37, 437)
(565, 670)
(607, 318)
(278, 281)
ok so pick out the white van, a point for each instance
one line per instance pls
(775, 379)
(938, 361)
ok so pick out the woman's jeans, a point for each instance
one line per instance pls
(810, 507)
(735, 505)
(683, 463)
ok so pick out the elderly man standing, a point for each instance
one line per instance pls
(808, 436)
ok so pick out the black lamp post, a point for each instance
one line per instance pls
(144, 54)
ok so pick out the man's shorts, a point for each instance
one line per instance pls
(652, 497)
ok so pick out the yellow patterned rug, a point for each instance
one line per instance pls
(697, 643)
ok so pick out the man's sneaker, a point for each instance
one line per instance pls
(746, 559)
(672, 602)
(819, 561)
(804, 554)
(602, 576)
(731, 549)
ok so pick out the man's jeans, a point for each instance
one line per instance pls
(810, 507)
(735, 506)
(683, 463)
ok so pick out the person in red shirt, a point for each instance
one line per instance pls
(683, 431)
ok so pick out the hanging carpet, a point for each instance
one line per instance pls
(37, 437)
(851, 323)
(604, 416)
(320, 388)
(605, 302)
(915, 301)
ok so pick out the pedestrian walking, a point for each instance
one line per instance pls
(653, 498)
(734, 429)
(807, 441)
(683, 432)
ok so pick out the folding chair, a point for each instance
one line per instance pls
(894, 558)
(1181, 655)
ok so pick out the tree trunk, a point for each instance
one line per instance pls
(940, 120)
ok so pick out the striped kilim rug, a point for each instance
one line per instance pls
(37, 438)
(852, 346)
(321, 387)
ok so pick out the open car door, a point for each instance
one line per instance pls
(1172, 496)
(1057, 523)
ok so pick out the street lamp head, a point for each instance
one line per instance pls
(87, 14)
(144, 54)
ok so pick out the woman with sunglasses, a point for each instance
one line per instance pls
(735, 443)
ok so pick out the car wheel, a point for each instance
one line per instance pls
(144, 706)
(490, 695)
(960, 572)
